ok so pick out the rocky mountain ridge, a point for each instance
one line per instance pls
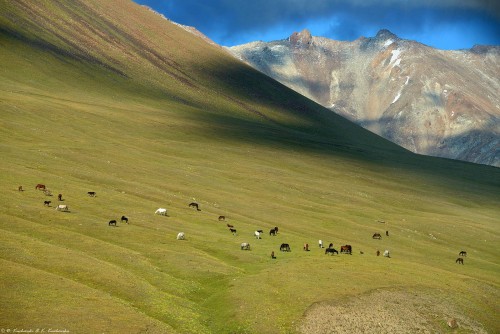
(430, 101)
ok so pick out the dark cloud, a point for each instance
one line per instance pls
(446, 24)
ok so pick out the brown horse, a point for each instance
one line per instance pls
(377, 236)
(222, 218)
(40, 187)
(346, 249)
(460, 261)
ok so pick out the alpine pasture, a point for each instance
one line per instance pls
(109, 97)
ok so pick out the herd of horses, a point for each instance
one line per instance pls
(285, 247)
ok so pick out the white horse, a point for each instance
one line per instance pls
(161, 211)
(181, 236)
(62, 207)
(245, 246)
(257, 234)
(386, 253)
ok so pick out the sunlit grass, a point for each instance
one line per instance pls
(147, 141)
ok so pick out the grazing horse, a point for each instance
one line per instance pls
(124, 219)
(62, 207)
(460, 261)
(222, 218)
(194, 205)
(272, 255)
(377, 236)
(91, 193)
(40, 187)
(257, 234)
(245, 246)
(346, 249)
(161, 212)
(47, 203)
(462, 253)
(272, 232)
(331, 251)
(20, 188)
(112, 222)
(229, 225)
(233, 231)
(378, 253)
(386, 253)
(59, 197)
(181, 236)
(285, 248)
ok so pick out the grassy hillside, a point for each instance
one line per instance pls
(110, 97)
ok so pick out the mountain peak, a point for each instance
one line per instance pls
(384, 34)
(303, 38)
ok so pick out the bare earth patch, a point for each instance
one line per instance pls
(389, 312)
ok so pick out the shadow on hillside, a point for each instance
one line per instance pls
(456, 175)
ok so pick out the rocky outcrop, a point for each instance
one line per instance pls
(430, 101)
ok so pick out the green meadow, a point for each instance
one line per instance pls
(114, 99)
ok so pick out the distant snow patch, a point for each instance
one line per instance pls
(401, 90)
(396, 98)
(395, 60)
(388, 42)
(278, 47)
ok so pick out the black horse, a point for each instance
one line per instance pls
(124, 219)
(285, 248)
(112, 222)
(331, 251)
(194, 205)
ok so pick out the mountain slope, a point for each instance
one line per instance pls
(111, 97)
(432, 102)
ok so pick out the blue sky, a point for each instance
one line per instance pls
(444, 24)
